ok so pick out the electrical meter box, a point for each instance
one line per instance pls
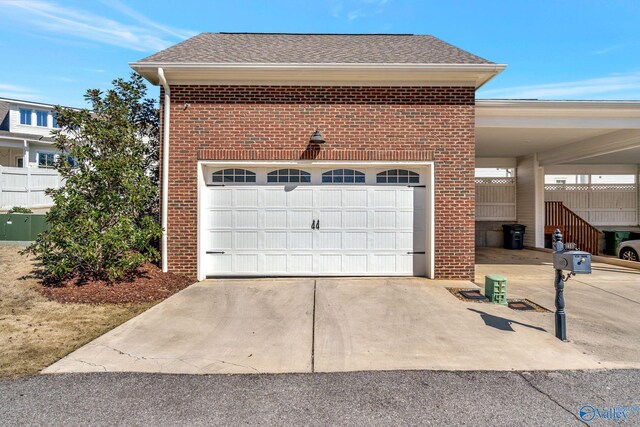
(577, 262)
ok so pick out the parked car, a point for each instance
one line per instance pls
(629, 250)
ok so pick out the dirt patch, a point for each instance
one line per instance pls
(149, 284)
(35, 331)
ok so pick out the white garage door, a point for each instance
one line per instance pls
(329, 229)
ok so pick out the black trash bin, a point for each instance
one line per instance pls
(513, 236)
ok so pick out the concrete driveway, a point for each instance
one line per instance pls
(329, 325)
(603, 308)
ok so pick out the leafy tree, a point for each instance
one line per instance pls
(104, 219)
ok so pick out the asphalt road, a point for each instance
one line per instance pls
(360, 398)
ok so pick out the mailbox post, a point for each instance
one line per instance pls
(561, 322)
(577, 262)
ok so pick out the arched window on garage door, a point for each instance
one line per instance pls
(343, 176)
(233, 175)
(398, 176)
(289, 175)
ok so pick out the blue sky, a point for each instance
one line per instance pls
(53, 50)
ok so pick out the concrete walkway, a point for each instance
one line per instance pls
(328, 325)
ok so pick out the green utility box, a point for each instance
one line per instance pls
(19, 227)
(495, 288)
(613, 239)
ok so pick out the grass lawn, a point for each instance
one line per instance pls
(35, 332)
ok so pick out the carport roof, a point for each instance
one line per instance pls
(560, 132)
(282, 48)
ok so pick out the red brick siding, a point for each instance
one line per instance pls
(358, 123)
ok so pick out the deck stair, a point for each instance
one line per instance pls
(573, 227)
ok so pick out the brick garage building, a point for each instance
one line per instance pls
(248, 192)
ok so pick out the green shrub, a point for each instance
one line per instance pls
(103, 222)
(19, 209)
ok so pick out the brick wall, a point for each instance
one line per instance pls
(358, 123)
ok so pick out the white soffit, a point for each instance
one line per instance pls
(513, 128)
(492, 113)
(474, 75)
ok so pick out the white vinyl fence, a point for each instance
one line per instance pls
(598, 204)
(496, 199)
(25, 187)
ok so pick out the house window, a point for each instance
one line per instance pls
(54, 118)
(346, 176)
(19, 162)
(233, 175)
(288, 175)
(41, 118)
(46, 160)
(25, 116)
(397, 176)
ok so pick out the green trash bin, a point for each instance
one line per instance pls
(613, 239)
(495, 288)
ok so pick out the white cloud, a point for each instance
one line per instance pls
(615, 86)
(357, 9)
(17, 92)
(63, 79)
(355, 14)
(607, 49)
(140, 18)
(49, 16)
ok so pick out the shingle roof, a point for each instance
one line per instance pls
(265, 48)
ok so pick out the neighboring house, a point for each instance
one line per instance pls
(27, 153)
(249, 189)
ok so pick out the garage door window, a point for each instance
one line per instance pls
(233, 175)
(340, 176)
(289, 175)
(398, 176)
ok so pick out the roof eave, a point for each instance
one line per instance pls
(324, 73)
(556, 108)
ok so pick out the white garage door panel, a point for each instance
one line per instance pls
(267, 230)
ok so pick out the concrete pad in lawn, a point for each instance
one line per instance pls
(216, 326)
(412, 323)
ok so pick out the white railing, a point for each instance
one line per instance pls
(25, 187)
(598, 204)
(496, 199)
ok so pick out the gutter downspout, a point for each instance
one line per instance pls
(165, 167)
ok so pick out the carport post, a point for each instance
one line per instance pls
(561, 324)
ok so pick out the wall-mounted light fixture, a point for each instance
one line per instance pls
(316, 138)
